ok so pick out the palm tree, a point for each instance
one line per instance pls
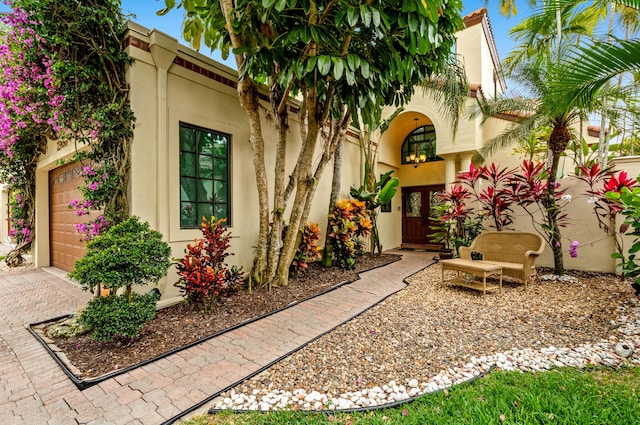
(553, 101)
(549, 29)
(536, 112)
(588, 68)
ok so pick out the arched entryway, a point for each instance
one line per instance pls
(425, 155)
(422, 177)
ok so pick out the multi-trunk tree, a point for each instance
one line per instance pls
(337, 58)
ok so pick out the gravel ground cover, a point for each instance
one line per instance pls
(427, 330)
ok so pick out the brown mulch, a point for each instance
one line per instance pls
(178, 325)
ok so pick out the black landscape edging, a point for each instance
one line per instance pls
(262, 369)
(83, 384)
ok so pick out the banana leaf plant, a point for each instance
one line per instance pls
(384, 191)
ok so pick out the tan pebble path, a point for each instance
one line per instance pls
(35, 390)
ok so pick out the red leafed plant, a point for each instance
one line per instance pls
(496, 199)
(600, 182)
(204, 276)
(308, 249)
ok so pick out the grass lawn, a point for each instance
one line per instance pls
(560, 396)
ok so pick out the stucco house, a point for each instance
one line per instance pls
(188, 114)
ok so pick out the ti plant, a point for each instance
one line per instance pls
(455, 224)
(629, 200)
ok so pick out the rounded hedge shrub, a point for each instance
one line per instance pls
(129, 253)
(115, 317)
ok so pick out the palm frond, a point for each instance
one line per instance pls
(591, 67)
(519, 107)
(514, 134)
(450, 90)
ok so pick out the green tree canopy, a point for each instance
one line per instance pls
(338, 58)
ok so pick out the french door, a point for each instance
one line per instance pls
(417, 203)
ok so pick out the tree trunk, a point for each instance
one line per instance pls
(558, 142)
(249, 101)
(603, 141)
(14, 257)
(295, 219)
(327, 259)
(305, 182)
(248, 97)
(279, 201)
(555, 239)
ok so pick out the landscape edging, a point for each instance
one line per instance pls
(83, 384)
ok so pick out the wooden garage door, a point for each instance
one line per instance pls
(65, 243)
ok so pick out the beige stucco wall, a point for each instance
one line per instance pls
(160, 103)
(469, 51)
(474, 49)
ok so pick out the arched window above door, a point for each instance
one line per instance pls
(420, 146)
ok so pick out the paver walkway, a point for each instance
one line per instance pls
(34, 390)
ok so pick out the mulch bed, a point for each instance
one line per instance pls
(178, 325)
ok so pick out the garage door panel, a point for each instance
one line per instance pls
(66, 245)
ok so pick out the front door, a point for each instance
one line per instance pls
(416, 210)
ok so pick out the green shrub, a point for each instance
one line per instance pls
(129, 253)
(115, 317)
(629, 201)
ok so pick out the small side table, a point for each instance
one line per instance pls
(477, 268)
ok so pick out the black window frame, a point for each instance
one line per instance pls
(199, 133)
(418, 142)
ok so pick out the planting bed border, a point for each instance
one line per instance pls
(83, 384)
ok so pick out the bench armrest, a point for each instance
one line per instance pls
(465, 252)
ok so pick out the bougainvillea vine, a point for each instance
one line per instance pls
(62, 78)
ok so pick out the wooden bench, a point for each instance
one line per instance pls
(515, 252)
